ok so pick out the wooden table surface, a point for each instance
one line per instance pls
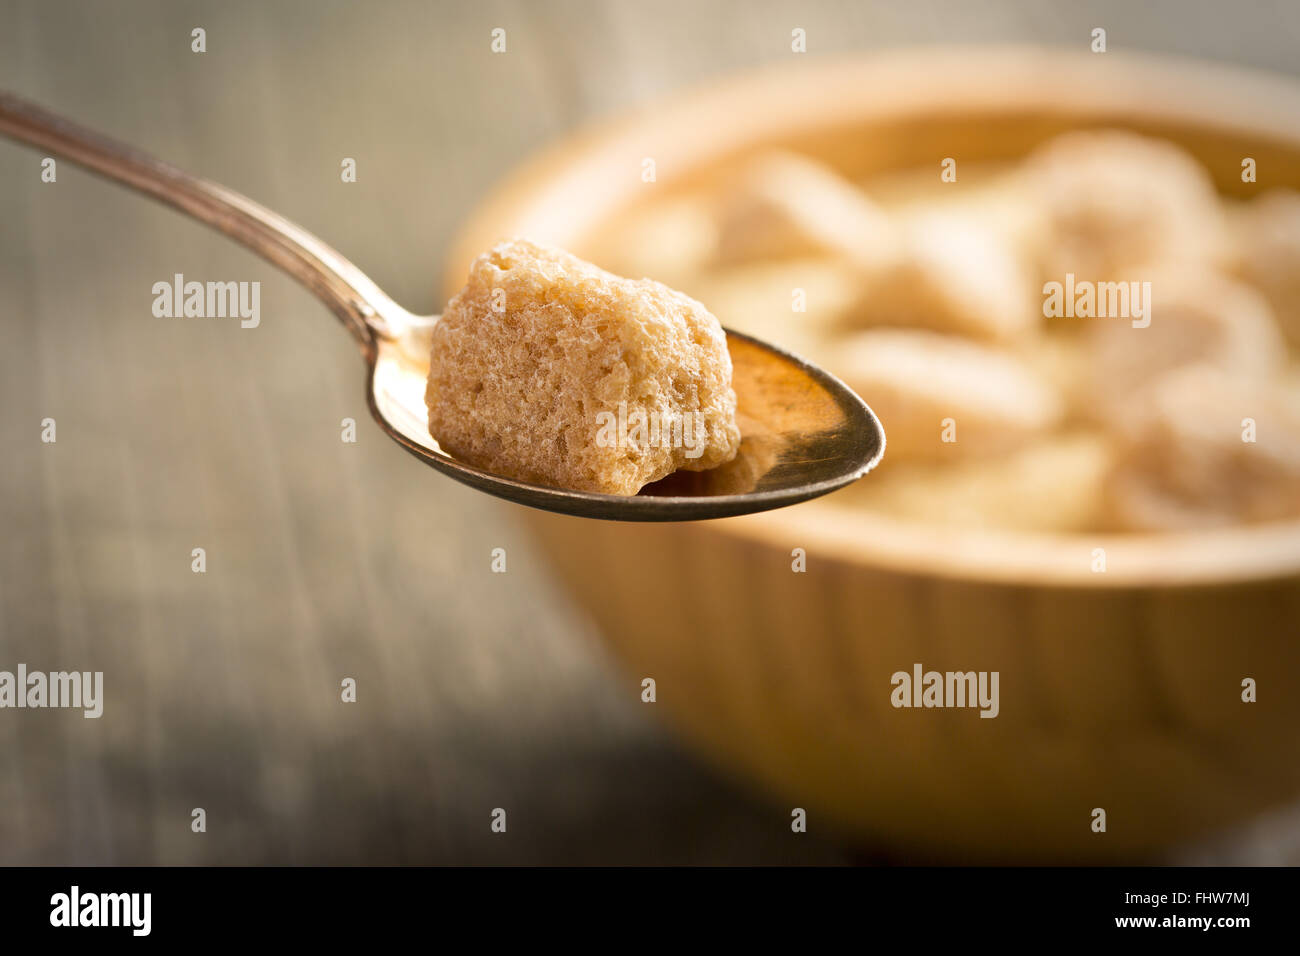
(325, 559)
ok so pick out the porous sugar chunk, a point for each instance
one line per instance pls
(671, 239)
(940, 397)
(949, 273)
(796, 302)
(1267, 252)
(549, 370)
(1193, 316)
(1111, 200)
(785, 206)
(1203, 449)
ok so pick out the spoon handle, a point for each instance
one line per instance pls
(364, 308)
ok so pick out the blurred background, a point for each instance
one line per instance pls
(328, 560)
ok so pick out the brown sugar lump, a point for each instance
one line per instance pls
(949, 273)
(1111, 200)
(1267, 253)
(797, 302)
(1203, 449)
(941, 397)
(784, 206)
(670, 238)
(549, 370)
(1193, 315)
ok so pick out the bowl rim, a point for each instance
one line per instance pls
(537, 200)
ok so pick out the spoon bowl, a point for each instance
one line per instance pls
(804, 432)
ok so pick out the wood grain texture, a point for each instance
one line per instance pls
(326, 559)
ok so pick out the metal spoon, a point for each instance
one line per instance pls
(805, 433)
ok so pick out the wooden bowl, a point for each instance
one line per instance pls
(1119, 690)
